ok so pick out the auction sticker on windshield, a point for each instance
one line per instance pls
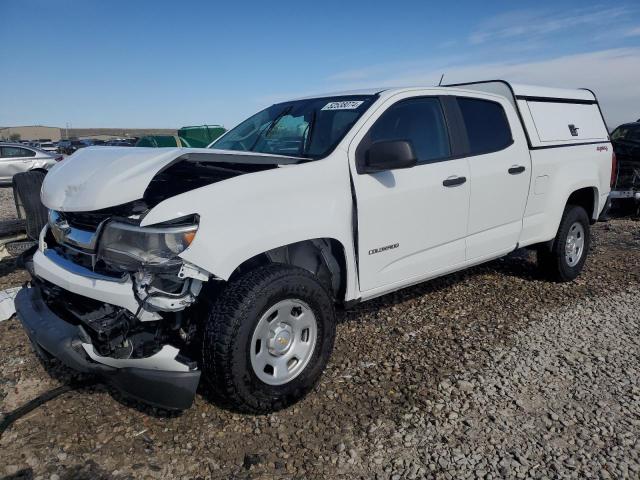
(346, 105)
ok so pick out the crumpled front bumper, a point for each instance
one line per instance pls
(52, 335)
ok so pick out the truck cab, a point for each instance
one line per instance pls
(158, 266)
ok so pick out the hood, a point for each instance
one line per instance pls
(94, 178)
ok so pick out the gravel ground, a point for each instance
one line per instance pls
(489, 373)
(7, 205)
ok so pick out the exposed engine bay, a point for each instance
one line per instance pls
(186, 175)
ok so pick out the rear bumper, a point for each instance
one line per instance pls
(621, 194)
(51, 335)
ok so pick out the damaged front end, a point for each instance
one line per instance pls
(127, 295)
(112, 296)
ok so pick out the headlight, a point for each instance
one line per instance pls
(129, 247)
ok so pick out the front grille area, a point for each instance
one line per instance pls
(91, 220)
(85, 221)
(81, 258)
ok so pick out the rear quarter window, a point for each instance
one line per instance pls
(486, 124)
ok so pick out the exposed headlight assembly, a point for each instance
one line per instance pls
(129, 247)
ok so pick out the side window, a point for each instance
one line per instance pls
(16, 152)
(486, 124)
(419, 121)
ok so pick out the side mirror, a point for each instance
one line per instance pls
(389, 155)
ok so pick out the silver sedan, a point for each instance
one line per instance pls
(16, 158)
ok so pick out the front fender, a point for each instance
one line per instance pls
(250, 214)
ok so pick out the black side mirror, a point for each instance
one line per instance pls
(388, 155)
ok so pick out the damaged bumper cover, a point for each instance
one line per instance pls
(52, 335)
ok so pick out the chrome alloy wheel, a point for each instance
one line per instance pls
(574, 246)
(283, 341)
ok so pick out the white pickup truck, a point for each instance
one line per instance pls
(159, 264)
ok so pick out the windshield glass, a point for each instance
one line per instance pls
(303, 128)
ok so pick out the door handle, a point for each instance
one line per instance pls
(454, 181)
(516, 169)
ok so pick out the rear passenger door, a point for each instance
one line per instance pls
(411, 222)
(500, 172)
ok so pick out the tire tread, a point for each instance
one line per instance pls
(223, 326)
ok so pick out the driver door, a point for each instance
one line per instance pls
(412, 222)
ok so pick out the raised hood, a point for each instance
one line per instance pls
(101, 177)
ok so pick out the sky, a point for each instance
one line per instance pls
(165, 64)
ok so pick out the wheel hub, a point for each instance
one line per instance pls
(280, 339)
(574, 245)
(283, 341)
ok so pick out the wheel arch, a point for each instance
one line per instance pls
(587, 198)
(323, 257)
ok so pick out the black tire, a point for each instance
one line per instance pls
(12, 227)
(553, 262)
(227, 338)
(26, 190)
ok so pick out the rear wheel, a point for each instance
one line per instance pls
(568, 253)
(268, 338)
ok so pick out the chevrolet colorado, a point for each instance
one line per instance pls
(159, 266)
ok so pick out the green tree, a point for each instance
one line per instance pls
(14, 137)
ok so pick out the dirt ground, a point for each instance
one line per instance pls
(489, 373)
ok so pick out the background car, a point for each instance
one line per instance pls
(121, 142)
(16, 158)
(92, 142)
(69, 146)
(626, 144)
(49, 147)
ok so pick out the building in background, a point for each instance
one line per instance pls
(107, 133)
(31, 132)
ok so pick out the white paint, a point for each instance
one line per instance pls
(552, 122)
(114, 293)
(437, 230)
(99, 177)
(164, 360)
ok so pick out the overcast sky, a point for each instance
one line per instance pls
(168, 64)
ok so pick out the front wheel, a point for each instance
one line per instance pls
(268, 338)
(567, 256)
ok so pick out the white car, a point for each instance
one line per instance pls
(49, 147)
(16, 158)
(159, 265)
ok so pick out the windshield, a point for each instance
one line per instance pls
(303, 128)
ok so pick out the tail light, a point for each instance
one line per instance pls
(614, 169)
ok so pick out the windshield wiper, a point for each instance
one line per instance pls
(271, 126)
(310, 126)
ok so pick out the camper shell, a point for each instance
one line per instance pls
(551, 117)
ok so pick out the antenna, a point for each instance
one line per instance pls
(441, 78)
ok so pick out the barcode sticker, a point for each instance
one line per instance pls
(346, 105)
